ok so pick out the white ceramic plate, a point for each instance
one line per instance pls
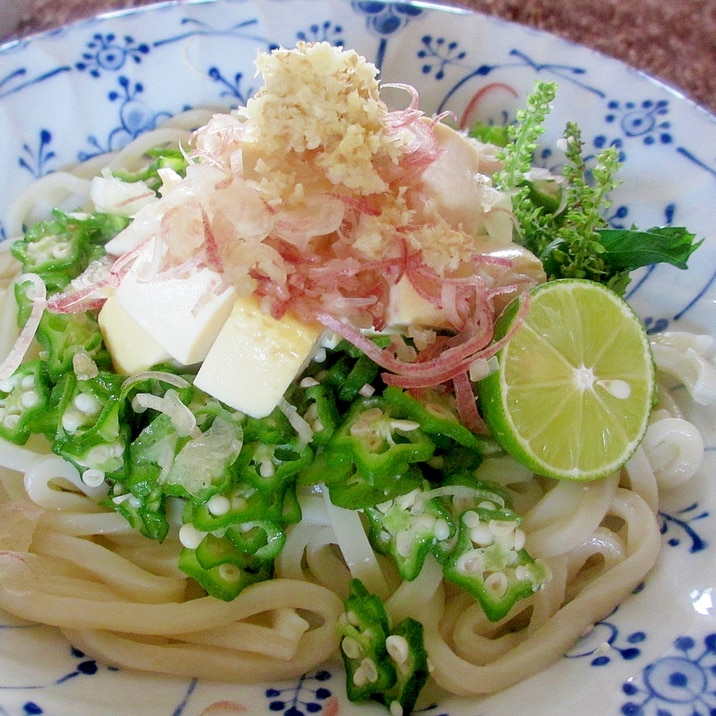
(93, 86)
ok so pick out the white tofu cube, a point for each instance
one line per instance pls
(255, 357)
(182, 314)
(132, 349)
(407, 307)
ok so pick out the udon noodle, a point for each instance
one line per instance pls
(67, 562)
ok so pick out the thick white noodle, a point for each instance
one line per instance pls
(60, 189)
(675, 449)
(566, 515)
(67, 562)
(69, 189)
(113, 569)
(639, 477)
(355, 547)
(688, 358)
(9, 330)
(557, 634)
(411, 598)
(47, 481)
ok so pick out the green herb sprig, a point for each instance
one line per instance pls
(562, 219)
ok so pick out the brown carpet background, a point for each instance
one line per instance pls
(673, 40)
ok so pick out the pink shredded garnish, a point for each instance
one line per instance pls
(77, 300)
(452, 360)
(213, 255)
(424, 148)
(360, 204)
(332, 252)
(38, 296)
(122, 264)
(467, 404)
(321, 215)
(87, 291)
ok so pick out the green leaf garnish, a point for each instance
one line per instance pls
(563, 222)
(628, 249)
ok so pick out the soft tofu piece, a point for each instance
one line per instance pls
(407, 307)
(460, 191)
(183, 314)
(255, 357)
(132, 349)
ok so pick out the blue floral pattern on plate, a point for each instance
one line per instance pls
(92, 87)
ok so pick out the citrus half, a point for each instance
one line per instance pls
(574, 389)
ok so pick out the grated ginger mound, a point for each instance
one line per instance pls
(318, 198)
(320, 104)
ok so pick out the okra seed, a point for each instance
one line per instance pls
(471, 519)
(440, 411)
(373, 442)
(472, 562)
(425, 523)
(502, 528)
(7, 385)
(370, 670)
(11, 421)
(190, 537)
(366, 672)
(60, 251)
(27, 382)
(99, 453)
(404, 425)
(87, 404)
(497, 584)
(359, 677)
(520, 539)
(229, 572)
(218, 505)
(398, 648)
(482, 535)
(403, 544)
(93, 477)
(71, 421)
(441, 530)
(406, 501)
(30, 399)
(352, 618)
(351, 648)
(266, 468)
(395, 708)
